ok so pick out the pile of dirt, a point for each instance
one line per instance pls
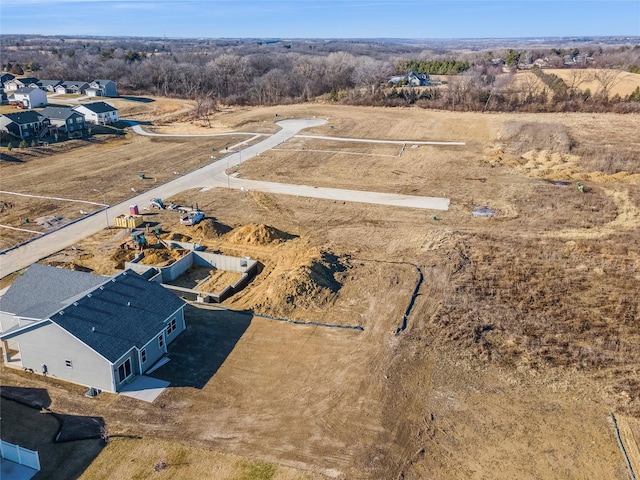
(121, 256)
(68, 266)
(313, 283)
(160, 258)
(210, 228)
(258, 234)
(177, 237)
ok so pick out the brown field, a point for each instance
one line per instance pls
(521, 342)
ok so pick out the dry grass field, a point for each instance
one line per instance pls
(520, 343)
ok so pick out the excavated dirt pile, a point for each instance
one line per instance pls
(309, 282)
(258, 234)
(210, 228)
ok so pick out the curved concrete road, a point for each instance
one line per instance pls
(212, 175)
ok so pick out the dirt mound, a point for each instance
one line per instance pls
(311, 283)
(177, 237)
(68, 266)
(210, 228)
(160, 258)
(258, 234)
(121, 256)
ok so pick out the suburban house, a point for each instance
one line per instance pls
(16, 83)
(66, 119)
(100, 113)
(72, 87)
(23, 125)
(49, 85)
(28, 97)
(413, 79)
(102, 88)
(5, 77)
(85, 328)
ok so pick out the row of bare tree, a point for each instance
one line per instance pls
(235, 72)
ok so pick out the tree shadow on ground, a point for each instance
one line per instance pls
(138, 99)
(197, 354)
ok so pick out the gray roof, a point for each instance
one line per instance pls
(61, 113)
(45, 83)
(26, 89)
(27, 116)
(125, 311)
(98, 107)
(43, 290)
(27, 80)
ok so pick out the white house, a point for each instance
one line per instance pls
(16, 83)
(29, 97)
(102, 88)
(100, 113)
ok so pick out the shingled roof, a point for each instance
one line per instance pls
(98, 107)
(43, 290)
(125, 311)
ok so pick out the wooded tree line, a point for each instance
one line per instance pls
(252, 72)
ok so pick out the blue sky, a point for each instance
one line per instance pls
(322, 18)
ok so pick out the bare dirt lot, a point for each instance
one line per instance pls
(520, 343)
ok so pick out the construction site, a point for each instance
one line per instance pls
(329, 338)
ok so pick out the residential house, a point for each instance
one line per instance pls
(100, 113)
(28, 97)
(102, 88)
(87, 329)
(66, 119)
(16, 83)
(49, 85)
(72, 87)
(413, 79)
(5, 77)
(24, 125)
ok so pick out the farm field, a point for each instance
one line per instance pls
(521, 341)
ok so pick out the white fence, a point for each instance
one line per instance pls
(20, 455)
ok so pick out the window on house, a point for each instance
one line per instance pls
(172, 326)
(143, 355)
(124, 370)
(68, 363)
(161, 341)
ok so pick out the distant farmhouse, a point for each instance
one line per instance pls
(99, 113)
(87, 329)
(412, 79)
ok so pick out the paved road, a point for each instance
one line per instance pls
(212, 175)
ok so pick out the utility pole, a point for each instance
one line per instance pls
(106, 207)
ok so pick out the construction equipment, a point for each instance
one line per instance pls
(136, 241)
(164, 243)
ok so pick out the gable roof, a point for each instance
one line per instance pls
(5, 77)
(21, 118)
(42, 290)
(49, 83)
(26, 90)
(25, 80)
(59, 113)
(102, 82)
(98, 107)
(125, 311)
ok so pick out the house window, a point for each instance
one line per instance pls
(143, 355)
(161, 341)
(171, 327)
(68, 363)
(124, 370)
